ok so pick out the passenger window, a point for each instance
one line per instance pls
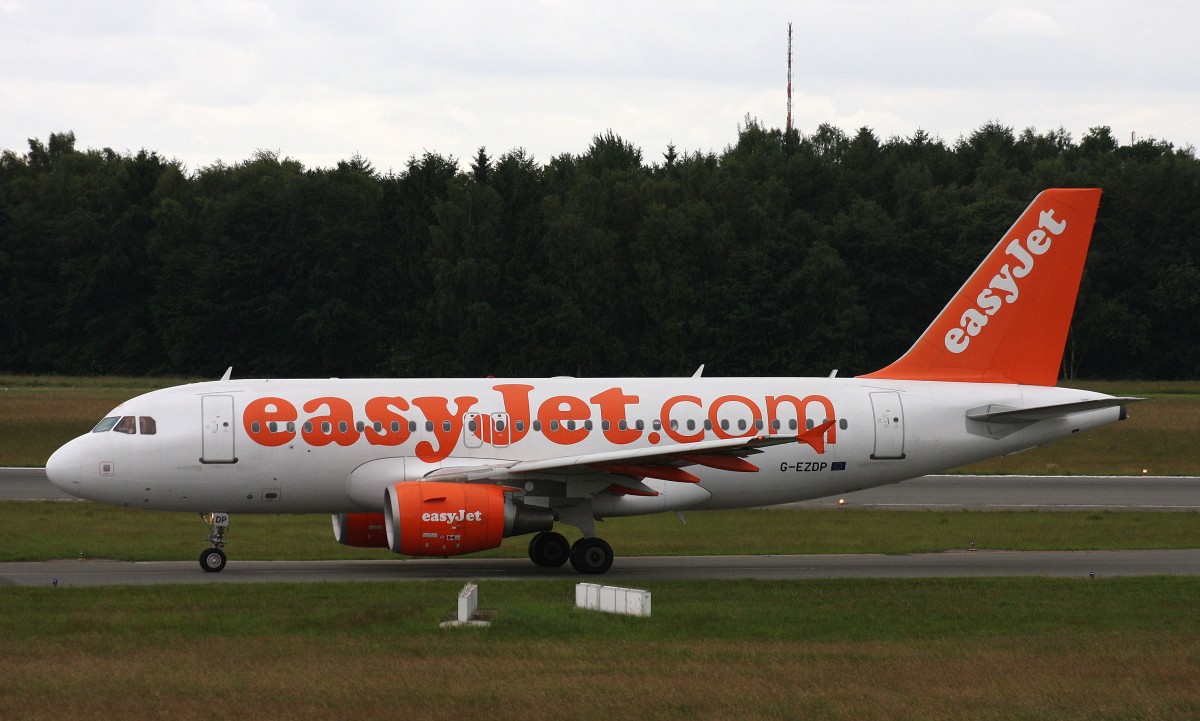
(148, 426)
(843, 424)
(106, 424)
(127, 424)
(640, 425)
(520, 426)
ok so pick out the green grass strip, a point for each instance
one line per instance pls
(936, 649)
(54, 530)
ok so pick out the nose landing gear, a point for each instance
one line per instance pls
(213, 559)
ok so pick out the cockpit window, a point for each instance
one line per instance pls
(127, 424)
(106, 425)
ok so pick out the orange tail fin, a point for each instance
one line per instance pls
(1009, 322)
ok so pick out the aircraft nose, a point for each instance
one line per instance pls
(62, 468)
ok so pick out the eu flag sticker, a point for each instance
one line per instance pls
(837, 466)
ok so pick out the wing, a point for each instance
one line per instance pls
(625, 469)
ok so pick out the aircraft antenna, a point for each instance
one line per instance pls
(789, 116)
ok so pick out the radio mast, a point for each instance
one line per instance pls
(789, 117)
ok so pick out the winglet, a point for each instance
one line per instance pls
(1009, 322)
(815, 436)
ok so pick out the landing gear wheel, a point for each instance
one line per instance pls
(212, 559)
(591, 555)
(549, 549)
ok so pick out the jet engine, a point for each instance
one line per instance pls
(428, 518)
(361, 530)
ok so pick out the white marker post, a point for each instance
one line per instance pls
(612, 599)
(468, 609)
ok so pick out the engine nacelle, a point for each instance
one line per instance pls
(361, 530)
(428, 518)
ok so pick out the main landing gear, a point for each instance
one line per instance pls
(213, 559)
(589, 555)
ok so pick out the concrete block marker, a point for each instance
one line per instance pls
(468, 610)
(612, 599)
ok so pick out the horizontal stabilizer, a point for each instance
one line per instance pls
(1007, 414)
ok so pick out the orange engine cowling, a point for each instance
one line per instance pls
(361, 530)
(428, 518)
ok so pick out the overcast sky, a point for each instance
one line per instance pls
(322, 80)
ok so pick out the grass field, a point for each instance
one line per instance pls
(54, 530)
(38, 414)
(975, 649)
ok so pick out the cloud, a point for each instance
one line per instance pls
(1020, 22)
(217, 79)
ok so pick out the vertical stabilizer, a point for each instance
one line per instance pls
(1009, 322)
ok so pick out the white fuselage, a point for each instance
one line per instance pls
(294, 446)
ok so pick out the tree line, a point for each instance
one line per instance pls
(785, 254)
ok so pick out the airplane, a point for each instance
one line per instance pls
(444, 467)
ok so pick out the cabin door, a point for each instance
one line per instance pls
(217, 431)
(889, 425)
